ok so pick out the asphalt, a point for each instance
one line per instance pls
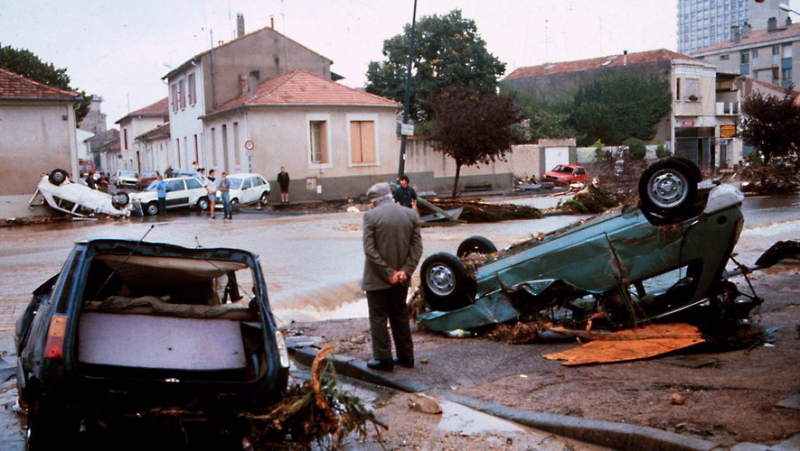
(601, 433)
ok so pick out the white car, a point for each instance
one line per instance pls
(181, 192)
(125, 178)
(77, 199)
(246, 188)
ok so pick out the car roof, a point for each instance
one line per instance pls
(243, 174)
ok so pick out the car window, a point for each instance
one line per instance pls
(247, 184)
(193, 183)
(257, 181)
(175, 185)
(236, 183)
(151, 187)
(580, 171)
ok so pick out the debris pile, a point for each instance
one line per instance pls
(771, 179)
(477, 211)
(591, 200)
(315, 414)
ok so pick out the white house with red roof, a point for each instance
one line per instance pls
(134, 124)
(214, 77)
(334, 141)
(37, 135)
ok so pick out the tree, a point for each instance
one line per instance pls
(26, 63)
(544, 119)
(473, 129)
(448, 51)
(772, 124)
(618, 107)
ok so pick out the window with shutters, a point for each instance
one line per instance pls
(362, 142)
(318, 140)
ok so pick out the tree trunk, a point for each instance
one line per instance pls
(455, 183)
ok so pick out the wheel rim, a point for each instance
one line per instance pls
(152, 210)
(264, 198)
(441, 279)
(667, 188)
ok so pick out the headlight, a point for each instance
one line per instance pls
(283, 353)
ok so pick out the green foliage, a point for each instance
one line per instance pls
(26, 63)
(618, 107)
(772, 124)
(542, 119)
(599, 150)
(637, 149)
(661, 151)
(473, 129)
(448, 51)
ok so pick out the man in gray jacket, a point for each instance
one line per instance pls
(392, 247)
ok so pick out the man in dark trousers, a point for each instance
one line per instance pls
(392, 247)
(405, 194)
(283, 181)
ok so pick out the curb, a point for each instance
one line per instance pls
(603, 433)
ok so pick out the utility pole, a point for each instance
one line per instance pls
(403, 136)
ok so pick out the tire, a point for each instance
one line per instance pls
(475, 245)
(668, 191)
(58, 176)
(120, 199)
(151, 208)
(691, 165)
(445, 282)
(50, 427)
(264, 199)
(234, 204)
(203, 203)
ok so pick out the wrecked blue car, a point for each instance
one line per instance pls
(628, 265)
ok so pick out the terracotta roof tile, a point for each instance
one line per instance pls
(159, 132)
(13, 86)
(633, 59)
(754, 37)
(158, 109)
(302, 88)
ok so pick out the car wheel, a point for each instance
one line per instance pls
(152, 208)
(445, 282)
(49, 427)
(203, 203)
(668, 191)
(475, 245)
(120, 199)
(264, 199)
(691, 165)
(58, 176)
(235, 204)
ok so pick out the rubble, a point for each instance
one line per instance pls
(476, 211)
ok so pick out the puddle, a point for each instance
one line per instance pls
(462, 419)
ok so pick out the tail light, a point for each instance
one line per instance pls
(282, 352)
(54, 346)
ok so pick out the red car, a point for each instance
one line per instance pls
(145, 178)
(566, 174)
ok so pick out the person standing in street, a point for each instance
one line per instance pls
(211, 187)
(224, 187)
(90, 181)
(283, 181)
(392, 249)
(161, 191)
(404, 194)
(102, 183)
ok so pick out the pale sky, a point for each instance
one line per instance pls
(120, 49)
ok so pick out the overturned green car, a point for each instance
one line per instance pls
(628, 265)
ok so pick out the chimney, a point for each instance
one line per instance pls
(746, 28)
(272, 22)
(243, 83)
(772, 24)
(239, 25)
(735, 37)
(788, 21)
(253, 82)
(624, 57)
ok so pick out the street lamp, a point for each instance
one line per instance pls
(786, 8)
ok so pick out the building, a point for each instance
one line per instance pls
(95, 120)
(334, 141)
(134, 124)
(213, 78)
(155, 146)
(766, 55)
(703, 23)
(704, 103)
(37, 135)
(106, 152)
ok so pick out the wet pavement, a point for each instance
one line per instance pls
(312, 263)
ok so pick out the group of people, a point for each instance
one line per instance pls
(100, 184)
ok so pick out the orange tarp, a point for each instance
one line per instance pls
(631, 344)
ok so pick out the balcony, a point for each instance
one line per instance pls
(727, 108)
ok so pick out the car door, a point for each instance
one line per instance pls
(176, 193)
(247, 191)
(194, 191)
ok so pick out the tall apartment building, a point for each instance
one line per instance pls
(703, 23)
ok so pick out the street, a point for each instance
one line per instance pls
(312, 263)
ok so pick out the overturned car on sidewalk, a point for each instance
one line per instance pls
(131, 329)
(64, 195)
(629, 265)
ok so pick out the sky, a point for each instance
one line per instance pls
(120, 50)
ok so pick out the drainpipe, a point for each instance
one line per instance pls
(211, 64)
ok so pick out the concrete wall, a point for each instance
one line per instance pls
(35, 138)
(184, 123)
(135, 126)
